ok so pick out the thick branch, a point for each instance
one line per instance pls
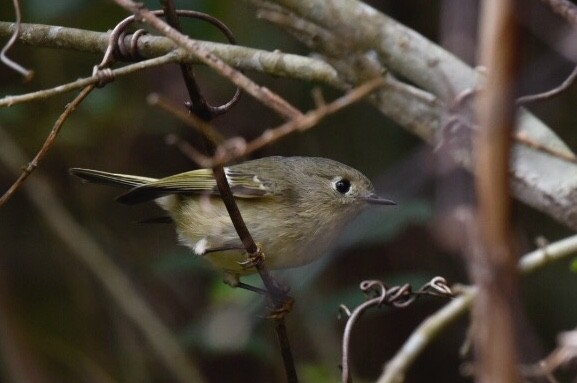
(492, 268)
(249, 59)
(542, 181)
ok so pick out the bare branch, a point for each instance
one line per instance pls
(95, 79)
(32, 165)
(431, 327)
(274, 63)
(260, 93)
(282, 303)
(395, 296)
(550, 93)
(541, 181)
(301, 123)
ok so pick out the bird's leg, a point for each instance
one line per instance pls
(233, 281)
(279, 302)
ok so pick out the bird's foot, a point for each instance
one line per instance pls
(253, 260)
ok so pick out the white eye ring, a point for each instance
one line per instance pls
(342, 185)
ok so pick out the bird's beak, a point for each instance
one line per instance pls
(374, 199)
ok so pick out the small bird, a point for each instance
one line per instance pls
(294, 207)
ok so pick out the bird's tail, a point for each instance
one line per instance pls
(120, 180)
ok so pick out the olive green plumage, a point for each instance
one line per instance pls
(293, 206)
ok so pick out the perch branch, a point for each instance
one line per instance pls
(203, 111)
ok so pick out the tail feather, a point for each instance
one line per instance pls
(120, 180)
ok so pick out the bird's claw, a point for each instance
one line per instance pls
(254, 259)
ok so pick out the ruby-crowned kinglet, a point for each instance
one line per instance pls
(294, 207)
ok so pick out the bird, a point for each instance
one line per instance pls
(294, 207)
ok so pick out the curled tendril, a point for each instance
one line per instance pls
(117, 49)
(377, 295)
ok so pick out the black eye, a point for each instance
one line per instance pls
(343, 186)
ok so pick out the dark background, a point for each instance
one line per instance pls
(69, 330)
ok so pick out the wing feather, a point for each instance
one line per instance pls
(242, 184)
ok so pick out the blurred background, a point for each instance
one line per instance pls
(57, 323)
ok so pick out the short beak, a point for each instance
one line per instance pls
(376, 200)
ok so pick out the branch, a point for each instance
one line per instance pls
(427, 331)
(32, 165)
(542, 181)
(491, 252)
(203, 111)
(88, 81)
(243, 58)
(539, 179)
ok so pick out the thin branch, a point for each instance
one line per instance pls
(87, 251)
(306, 121)
(523, 138)
(203, 127)
(430, 328)
(32, 165)
(81, 83)
(395, 296)
(427, 331)
(550, 93)
(27, 73)
(563, 355)
(260, 93)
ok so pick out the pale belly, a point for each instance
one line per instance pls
(204, 225)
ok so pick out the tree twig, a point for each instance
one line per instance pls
(260, 93)
(431, 327)
(550, 93)
(60, 89)
(32, 165)
(395, 296)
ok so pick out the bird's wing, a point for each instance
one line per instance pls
(243, 185)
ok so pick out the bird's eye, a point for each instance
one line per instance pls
(343, 186)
